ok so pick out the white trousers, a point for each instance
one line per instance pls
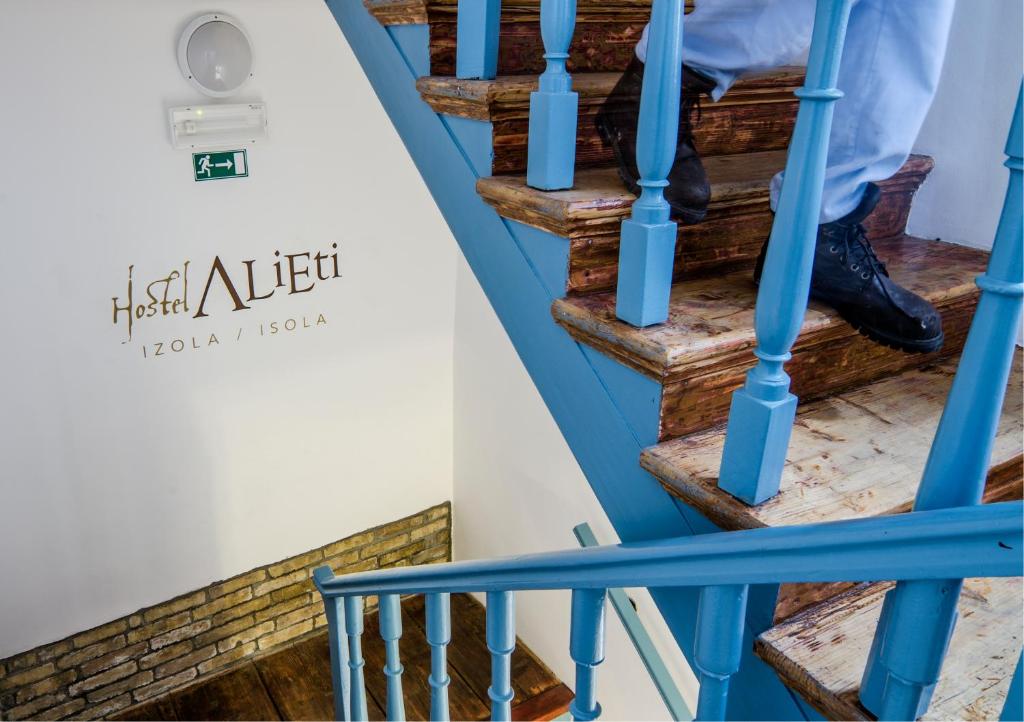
(890, 69)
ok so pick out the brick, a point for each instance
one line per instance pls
(135, 621)
(174, 606)
(320, 621)
(95, 635)
(22, 661)
(124, 685)
(269, 586)
(425, 531)
(246, 635)
(439, 512)
(283, 608)
(46, 686)
(111, 675)
(163, 685)
(292, 590)
(219, 605)
(226, 630)
(34, 707)
(301, 561)
(189, 660)
(107, 708)
(223, 660)
(28, 676)
(384, 546)
(283, 635)
(242, 580)
(349, 543)
(363, 566)
(406, 552)
(114, 658)
(160, 626)
(176, 635)
(298, 615)
(64, 710)
(55, 650)
(433, 555)
(166, 654)
(242, 609)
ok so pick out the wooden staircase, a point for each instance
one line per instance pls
(868, 413)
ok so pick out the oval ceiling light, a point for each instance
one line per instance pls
(215, 54)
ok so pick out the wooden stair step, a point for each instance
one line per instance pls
(856, 454)
(738, 221)
(705, 349)
(756, 115)
(606, 32)
(822, 652)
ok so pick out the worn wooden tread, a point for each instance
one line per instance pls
(705, 349)
(494, 99)
(600, 197)
(821, 653)
(856, 454)
(416, 12)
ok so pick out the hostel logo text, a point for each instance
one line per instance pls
(242, 285)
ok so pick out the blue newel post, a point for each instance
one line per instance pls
(551, 159)
(476, 53)
(586, 647)
(357, 684)
(334, 610)
(718, 646)
(648, 239)
(918, 617)
(763, 410)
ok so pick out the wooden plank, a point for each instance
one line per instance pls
(159, 709)
(756, 115)
(821, 653)
(738, 221)
(857, 454)
(704, 350)
(236, 695)
(298, 680)
(548, 705)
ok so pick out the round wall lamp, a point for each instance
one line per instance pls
(215, 55)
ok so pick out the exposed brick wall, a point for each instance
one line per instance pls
(153, 651)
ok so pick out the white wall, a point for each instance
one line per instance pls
(128, 480)
(519, 490)
(966, 129)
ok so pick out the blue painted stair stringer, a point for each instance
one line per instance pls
(580, 398)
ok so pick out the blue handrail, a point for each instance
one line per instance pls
(947, 543)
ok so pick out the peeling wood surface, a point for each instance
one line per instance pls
(856, 454)
(738, 221)
(702, 354)
(821, 653)
(756, 115)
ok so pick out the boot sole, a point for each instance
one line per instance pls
(913, 346)
(686, 216)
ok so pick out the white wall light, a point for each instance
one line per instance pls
(215, 55)
(216, 126)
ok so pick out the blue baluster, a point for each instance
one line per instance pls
(718, 646)
(914, 630)
(439, 634)
(551, 160)
(476, 51)
(354, 630)
(762, 412)
(648, 239)
(501, 641)
(586, 647)
(334, 610)
(391, 632)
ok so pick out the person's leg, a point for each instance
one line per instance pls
(723, 39)
(890, 70)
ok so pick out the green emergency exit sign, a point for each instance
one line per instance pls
(220, 165)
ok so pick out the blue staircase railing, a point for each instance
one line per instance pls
(927, 545)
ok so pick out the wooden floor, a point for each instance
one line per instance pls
(295, 683)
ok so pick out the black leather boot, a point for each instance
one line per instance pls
(688, 191)
(850, 278)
